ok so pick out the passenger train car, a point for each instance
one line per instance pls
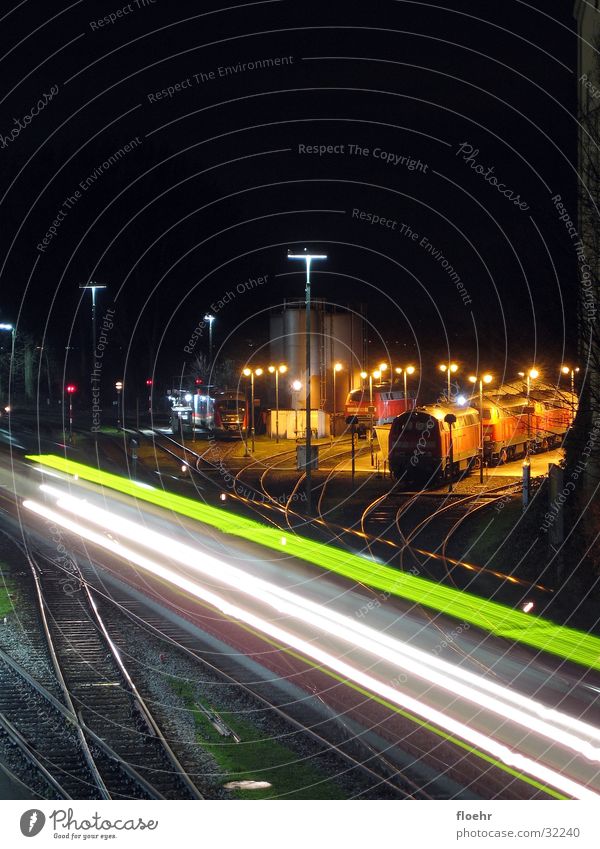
(224, 412)
(514, 424)
(388, 403)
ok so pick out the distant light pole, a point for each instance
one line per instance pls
(296, 387)
(530, 375)
(407, 370)
(486, 378)
(149, 385)
(277, 370)
(119, 388)
(11, 329)
(92, 287)
(450, 369)
(377, 375)
(450, 420)
(71, 389)
(383, 367)
(308, 258)
(210, 318)
(571, 371)
(251, 373)
(337, 367)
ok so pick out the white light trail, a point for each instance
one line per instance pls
(479, 740)
(487, 694)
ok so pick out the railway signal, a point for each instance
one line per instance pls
(70, 390)
(336, 368)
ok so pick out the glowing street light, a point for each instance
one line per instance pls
(485, 378)
(336, 368)
(252, 373)
(296, 387)
(210, 318)
(307, 258)
(572, 372)
(407, 370)
(119, 388)
(530, 375)
(450, 369)
(277, 370)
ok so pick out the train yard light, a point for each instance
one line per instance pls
(449, 369)
(336, 368)
(407, 371)
(308, 258)
(484, 378)
(572, 371)
(252, 373)
(277, 370)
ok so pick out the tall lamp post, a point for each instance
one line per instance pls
(408, 370)
(277, 370)
(251, 373)
(210, 318)
(11, 329)
(308, 258)
(449, 369)
(377, 375)
(571, 371)
(530, 375)
(296, 387)
(485, 378)
(119, 388)
(92, 288)
(383, 367)
(337, 367)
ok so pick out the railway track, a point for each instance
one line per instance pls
(123, 746)
(330, 735)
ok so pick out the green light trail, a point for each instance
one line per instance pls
(490, 616)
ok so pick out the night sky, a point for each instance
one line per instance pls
(219, 178)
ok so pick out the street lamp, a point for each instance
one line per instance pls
(11, 329)
(252, 373)
(119, 388)
(571, 371)
(210, 318)
(450, 369)
(277, 370)
(530, 375)
(377, 375)
(383, 367)
(337, 367)
(92, 287)
(408, 370)
(70, 389)
(486, 378)
(296, 387)
(308, 258)
(149, 385)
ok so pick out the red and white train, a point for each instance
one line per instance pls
(418, 441)
(221, 413)
(387, 404)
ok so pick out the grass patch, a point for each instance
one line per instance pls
(7, 594)
(256, 758)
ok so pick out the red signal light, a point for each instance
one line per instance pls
(198, 381)
(71, 388)
(149, 382)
